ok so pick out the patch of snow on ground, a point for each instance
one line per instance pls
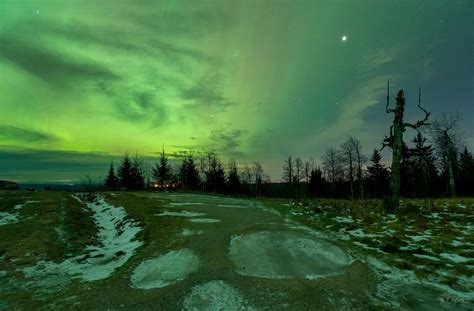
(181, 214)
(204, 220)
(164, 270)
(185, 203)
(232, 206)
(8, 218)
(213, 296)
(189, 232)
(116, 237)
(461, 206)
(402, 287)
(361, 234)
(344, 220)
(277, 253)
(454, 257)
(426, 257)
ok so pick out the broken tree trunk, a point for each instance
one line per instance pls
(395, 142)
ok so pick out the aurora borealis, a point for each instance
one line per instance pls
(83, 82)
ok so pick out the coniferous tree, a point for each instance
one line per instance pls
(137, 174)
(215, 175)
(466, 173)
(125, 173)
(316, 185)
(162, 172)
(233, 180)
(424, 172)
(111, 182)
(378, 175)
(188, 173)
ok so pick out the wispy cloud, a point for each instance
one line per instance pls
(12, 133)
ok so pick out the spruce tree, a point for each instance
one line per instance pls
(188, 173)
(424, 172)
(111, 181)
(233, 180)
(125, 173)
(162, 171)
(378, 175)
(466, 173)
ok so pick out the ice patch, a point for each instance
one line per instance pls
(204, 220)
(180, 214)
(8, 218)
(164, 270)
(283, 255)
(116, 236)
(361, 234)
(213, 296)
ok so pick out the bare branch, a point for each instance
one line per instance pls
(388, 140)
(423, 122)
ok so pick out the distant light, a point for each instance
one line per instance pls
(344, 38)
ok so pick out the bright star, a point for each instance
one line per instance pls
(344, 38)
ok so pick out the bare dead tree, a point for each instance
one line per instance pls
(395, 141)
(444, 133)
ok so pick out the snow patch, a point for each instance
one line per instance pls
(189, 232)
(180, 214)
(232, 206)
(454, 257)
(283, 255)
(164, 270)
(8, 218)
(204, 220)
(344, 220)
(116, 236)
(185, 203)
(213, 296)
(426, 257)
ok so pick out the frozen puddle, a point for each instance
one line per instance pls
(231, 206)
(164, 270)
(215, 295)
(204, 220)
(181, 214)
(283, 255)
(116, 236)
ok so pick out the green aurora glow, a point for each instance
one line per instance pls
(252, 80)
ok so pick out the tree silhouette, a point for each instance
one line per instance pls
(162, 171)
(395, 142)
(125, 173)
(233, 180)
(466, 173)
(188, 173)
(111, 182)
(378, 175)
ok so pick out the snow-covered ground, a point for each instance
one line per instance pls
(116, 236)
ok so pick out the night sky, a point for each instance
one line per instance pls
(83, 82)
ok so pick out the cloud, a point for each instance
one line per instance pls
(135, 105)
(16, 134)
(206, 92)
(50, 66)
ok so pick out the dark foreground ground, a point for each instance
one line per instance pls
(160, 251)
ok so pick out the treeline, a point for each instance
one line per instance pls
(205, 173)
(427, 170)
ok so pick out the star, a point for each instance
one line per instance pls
(344, 38)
